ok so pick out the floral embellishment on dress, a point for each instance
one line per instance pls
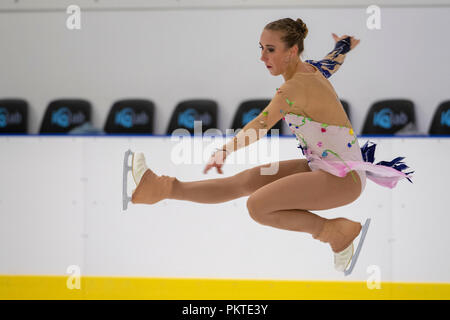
(352, 133)
(263, 122)
(325, 153)
(319, 144)
(289, 102)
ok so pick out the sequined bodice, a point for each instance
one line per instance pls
(329, 142)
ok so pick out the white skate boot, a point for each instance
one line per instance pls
(342, 259)
(138, 167)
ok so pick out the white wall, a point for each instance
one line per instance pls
(170, 55)
(61, 205)
(38, 5)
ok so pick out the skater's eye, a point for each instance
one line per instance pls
(270, 49)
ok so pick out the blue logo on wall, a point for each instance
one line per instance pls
(186, 118)
(64, 118)
(7, 118)
(250, 115)
(445, 118)
(3, 117)
(127, 118)
(385, 118)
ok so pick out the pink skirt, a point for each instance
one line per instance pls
(384, 173)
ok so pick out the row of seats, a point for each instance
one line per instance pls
(136, 116)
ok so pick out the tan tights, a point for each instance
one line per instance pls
(281, 200)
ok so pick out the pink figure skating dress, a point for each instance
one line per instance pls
(314, 113)
(335, 149)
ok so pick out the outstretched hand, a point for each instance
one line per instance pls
(353, 42)
(217, 160)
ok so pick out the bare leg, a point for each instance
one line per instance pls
(285, 203)
(240, 185)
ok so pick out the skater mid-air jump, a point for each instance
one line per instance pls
(332, 175)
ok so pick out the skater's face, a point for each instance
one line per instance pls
(274, 53)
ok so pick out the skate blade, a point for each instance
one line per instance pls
(358, 249)
(125, 198)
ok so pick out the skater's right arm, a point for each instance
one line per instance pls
(290, 97)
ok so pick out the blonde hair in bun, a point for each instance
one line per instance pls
(294, 32)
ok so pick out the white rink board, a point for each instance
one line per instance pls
(61, 205)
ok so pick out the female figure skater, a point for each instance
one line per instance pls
(314, 113)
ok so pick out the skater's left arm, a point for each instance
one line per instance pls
(335, 58)
(289, 97)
